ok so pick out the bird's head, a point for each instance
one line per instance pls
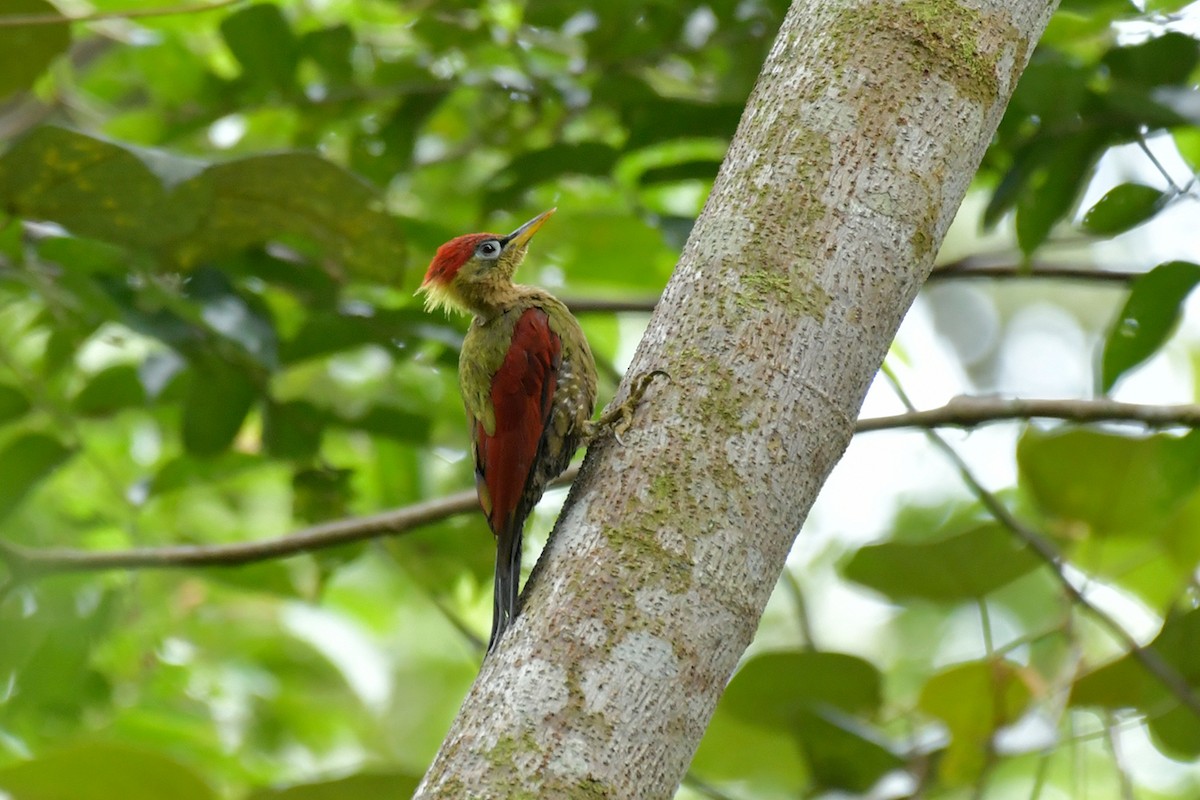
(474, 272)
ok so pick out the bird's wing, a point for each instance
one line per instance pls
(522, 394)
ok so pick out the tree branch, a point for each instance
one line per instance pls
(969, 412)
(26, 562)
(963, 412)
(22, 20)
(1003, 267)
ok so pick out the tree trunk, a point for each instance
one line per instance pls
(855, 150)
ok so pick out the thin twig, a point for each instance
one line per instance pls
(1141, 140)
(587, 305)
(969, 412)
(801, 604)
(956, 270)
(971, 267)
(1114, 747)
(1046, 551)
(26, 562)
(22, 20)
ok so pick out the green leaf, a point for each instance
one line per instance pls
(952, 569)
(263, 43)
(722, 756)
(218, 399)
(1147, 319)
(185, 471)
(332, 50)
(390, 422)
(974, 700)
(844, 753)
(773, 688)
(26, 50)
(47, 655)
(529, 169)
(1124, 207)
(297, 196)
(187, 212)
(1125, 683)
(1166, 6)
(25, 462)
(103, 771)
(1053, 188)
(293, 430)
(90, 186)
(817, 698)
(13, 403)
(227, 313)
(1051, 88)
(321, 494)
(1188, 141)
(109, 391)
(363, 785)
(1114, 484)
(1166, 59)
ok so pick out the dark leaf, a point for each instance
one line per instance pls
(1051, 88)
(687, 171)
(89, 186)
(218, 398)
(13, 403)
(190, 212)
(529, 169)
(1124, 207)
(185, 471)
(1166, 59)
(1054, 187)
(843, 752)
(952, 569)
(230, 315)
(321, 494)
(297, 196)
(390, 422)
(1147, 319)
(1127, 108)
(293, 430)
(25, 462)
(109, 391)
(26, 50)
(331, 49)
(263, 43)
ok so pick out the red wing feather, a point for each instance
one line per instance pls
(522, 393)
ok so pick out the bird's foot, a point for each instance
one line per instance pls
(619, 418)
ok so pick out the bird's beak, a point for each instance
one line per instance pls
(521, 236)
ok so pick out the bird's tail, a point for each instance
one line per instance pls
(508, 580)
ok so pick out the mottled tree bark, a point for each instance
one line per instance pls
(855, 150)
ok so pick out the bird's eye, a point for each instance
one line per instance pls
(489, 249)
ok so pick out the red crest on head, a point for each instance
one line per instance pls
(452, 255)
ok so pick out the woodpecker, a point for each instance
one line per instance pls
(528, 382)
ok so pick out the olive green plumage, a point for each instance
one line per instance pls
(528, 383)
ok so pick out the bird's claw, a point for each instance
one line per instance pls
(620, 419)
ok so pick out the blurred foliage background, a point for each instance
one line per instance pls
(211, 225)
